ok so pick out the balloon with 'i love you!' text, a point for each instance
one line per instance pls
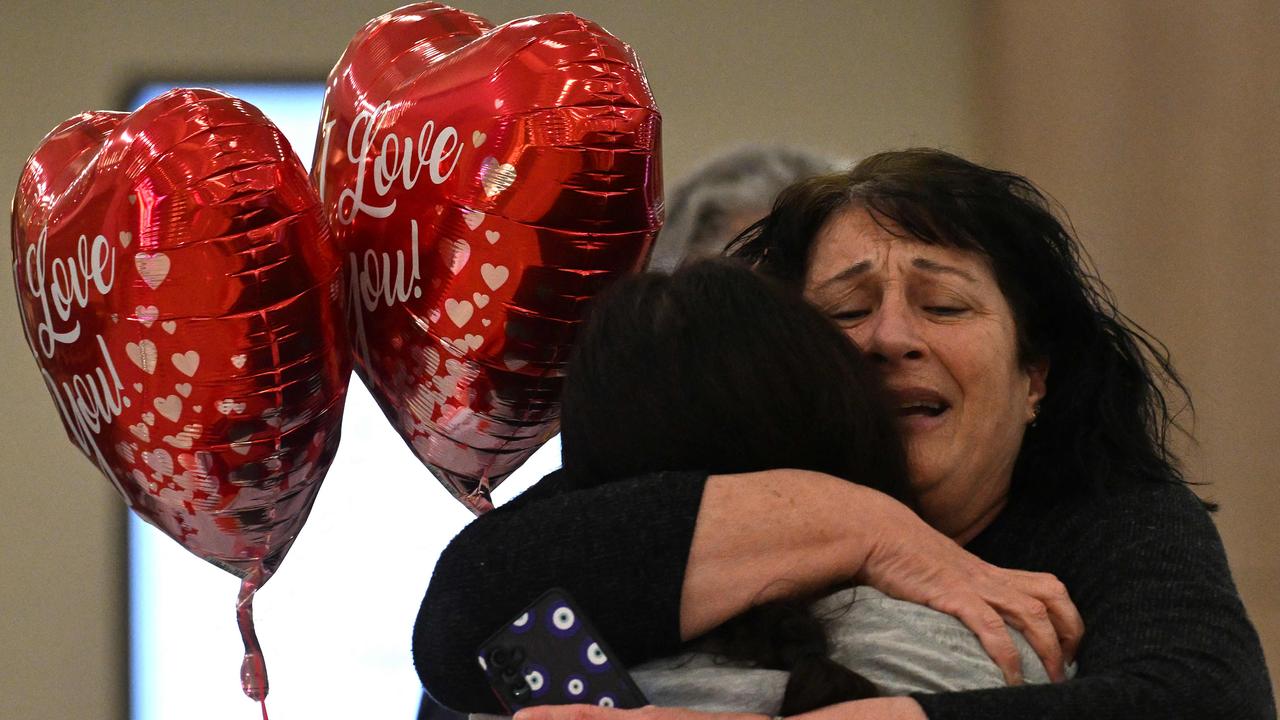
(483, 184)
(181, 295)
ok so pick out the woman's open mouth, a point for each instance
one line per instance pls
(926, 409)
(918, 408)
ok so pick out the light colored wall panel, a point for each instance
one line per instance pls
(1157, 125)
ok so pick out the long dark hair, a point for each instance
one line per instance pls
(718, 369)
(1105, 421)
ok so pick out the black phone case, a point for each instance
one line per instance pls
(551, 654)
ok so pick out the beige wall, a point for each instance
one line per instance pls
(1158, 126)
(840, 77)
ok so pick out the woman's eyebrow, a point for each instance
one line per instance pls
(852, 271)
(936, 267)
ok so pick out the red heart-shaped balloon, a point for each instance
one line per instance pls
(484, 183)
(178, 286)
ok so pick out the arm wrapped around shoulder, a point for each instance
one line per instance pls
(619, 549)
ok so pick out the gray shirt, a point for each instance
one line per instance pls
(899, 646)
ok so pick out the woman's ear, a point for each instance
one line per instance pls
(1037, 379)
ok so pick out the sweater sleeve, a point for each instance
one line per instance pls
(619, 549)
(1166, 635)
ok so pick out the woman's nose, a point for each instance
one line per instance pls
(891, 335)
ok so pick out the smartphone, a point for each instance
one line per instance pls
(551, 654)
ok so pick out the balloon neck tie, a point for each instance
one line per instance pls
(253, 670)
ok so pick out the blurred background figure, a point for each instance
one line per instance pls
(724, 195)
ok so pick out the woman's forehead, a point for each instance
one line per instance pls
(853, 243)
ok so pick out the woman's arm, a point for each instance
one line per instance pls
(621, 550)
(873, 709)
(811, 531)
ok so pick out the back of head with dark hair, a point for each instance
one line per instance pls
(1105, 420)
(717, 369)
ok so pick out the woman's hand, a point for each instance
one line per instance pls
(898, 708)
(649, 712)
(890, 708)
(911, 561)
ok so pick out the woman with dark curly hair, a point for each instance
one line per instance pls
(1035, 421)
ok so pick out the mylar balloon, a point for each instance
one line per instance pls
(483, 184)
(181, 295)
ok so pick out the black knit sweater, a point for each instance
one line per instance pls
(1166, 635)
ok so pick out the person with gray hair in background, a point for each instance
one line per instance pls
(723, 196)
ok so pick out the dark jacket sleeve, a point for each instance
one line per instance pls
(1166, 635)
(619, 549)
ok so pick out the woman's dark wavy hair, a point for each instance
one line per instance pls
(718, 369)
(1105, 421)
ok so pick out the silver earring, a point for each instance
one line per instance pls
(1035, 414)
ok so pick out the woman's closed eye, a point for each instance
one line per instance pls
(849, 314)
(946, 310)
